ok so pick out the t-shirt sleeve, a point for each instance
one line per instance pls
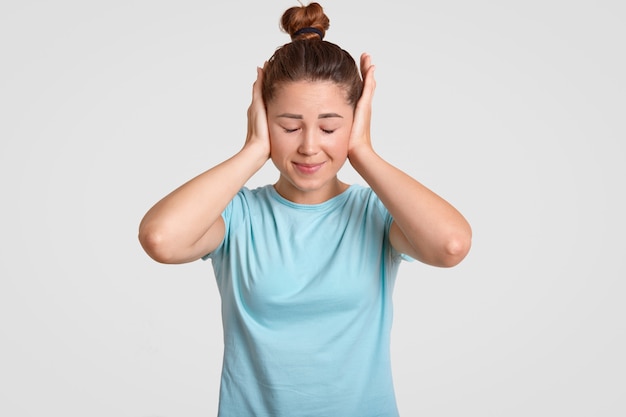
(395, 255)
(232, 216)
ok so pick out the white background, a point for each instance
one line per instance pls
(513, 111)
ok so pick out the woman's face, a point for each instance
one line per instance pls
(309, 126)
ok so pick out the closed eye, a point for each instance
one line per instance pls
(328, 131)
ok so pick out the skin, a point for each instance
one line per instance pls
(308, 130)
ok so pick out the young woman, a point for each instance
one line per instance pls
(306, 267)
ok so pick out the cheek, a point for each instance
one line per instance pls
(275, 134)
(340, 143)
(278, 145)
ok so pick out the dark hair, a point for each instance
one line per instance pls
(310, 58)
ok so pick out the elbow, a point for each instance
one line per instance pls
(155, 245)
(456, 249)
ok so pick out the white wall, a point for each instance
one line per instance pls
(514, 113)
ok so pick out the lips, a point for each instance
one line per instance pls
(307, 169)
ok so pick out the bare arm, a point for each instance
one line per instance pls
(187, 223)
(425, 226)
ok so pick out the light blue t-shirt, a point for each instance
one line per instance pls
(306, 306)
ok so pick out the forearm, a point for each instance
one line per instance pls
(435, 231)
(183, 217)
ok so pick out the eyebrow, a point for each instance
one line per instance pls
(299, 116)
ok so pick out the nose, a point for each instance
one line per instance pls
(309, 144)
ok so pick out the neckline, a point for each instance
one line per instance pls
(331, 202)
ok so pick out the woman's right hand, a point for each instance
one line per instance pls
(258, 132)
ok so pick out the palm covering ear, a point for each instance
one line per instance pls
(360, 135)
(257, 116)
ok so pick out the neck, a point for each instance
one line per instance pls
(309, 196)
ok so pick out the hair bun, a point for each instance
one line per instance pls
(305, 22)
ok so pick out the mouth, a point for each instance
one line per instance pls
(308, 169)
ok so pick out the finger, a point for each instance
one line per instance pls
(257, 90)
(366, 63)
(369, 85)
(260, 74)
(256, 104)
(367, 72)
(259, 80)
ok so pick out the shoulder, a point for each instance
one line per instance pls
(247, 203)
(253, 193)
(366, 198)
(247, 197)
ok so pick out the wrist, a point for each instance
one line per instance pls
(255, 152)
(360, 153)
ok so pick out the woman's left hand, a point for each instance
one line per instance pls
(360, 137)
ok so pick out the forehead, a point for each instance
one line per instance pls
(309, 95)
